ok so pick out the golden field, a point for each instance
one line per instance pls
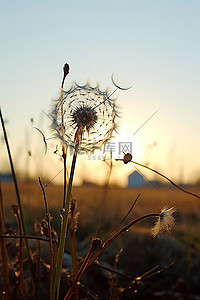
(176, 257)
(108, 203)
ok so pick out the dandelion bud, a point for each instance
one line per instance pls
(127, 157)
(66, 69)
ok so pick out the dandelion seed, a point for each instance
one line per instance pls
(84, 117)
(165, 221)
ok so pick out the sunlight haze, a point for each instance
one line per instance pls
(153, 46)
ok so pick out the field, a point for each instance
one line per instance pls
(165, 267)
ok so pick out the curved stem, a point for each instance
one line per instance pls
(160, 174)
(88, 261)
(123, 229)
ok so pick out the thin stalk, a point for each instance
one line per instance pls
(74, 260)
(160, 174)
(124, 229)
(50, 239)
(21, 267)
(64, 150)
(64, 154)
(73, 227)
(65, 174)
(38, 263)
(95, 243)
(73, 252)
(105, 193)
(16, 185)
(6, 282)
(63, 231)
(31, 237)
(88, 261)
(21, 215)
(126, 215)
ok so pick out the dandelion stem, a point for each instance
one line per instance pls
(64, 149)
(65, 174)
(63, 231)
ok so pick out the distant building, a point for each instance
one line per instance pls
(135, 180)
(6, 177)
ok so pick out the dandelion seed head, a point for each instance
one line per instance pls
(84, 114)
(165, 221)
(85, 117)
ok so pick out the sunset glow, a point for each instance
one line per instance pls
(158, 59)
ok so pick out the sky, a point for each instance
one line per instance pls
(152, 46)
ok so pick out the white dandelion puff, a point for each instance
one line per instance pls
(84, 117)
(165, 221)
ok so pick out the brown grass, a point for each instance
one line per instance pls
(91, 201)
(141, 251)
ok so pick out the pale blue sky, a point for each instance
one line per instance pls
(152, 45)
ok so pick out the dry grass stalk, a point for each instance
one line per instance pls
(21, 268)
(51, 252)
(6, 281)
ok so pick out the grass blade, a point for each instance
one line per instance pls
(6, 282)
(21, 215)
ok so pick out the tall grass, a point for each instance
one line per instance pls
(21, 214)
